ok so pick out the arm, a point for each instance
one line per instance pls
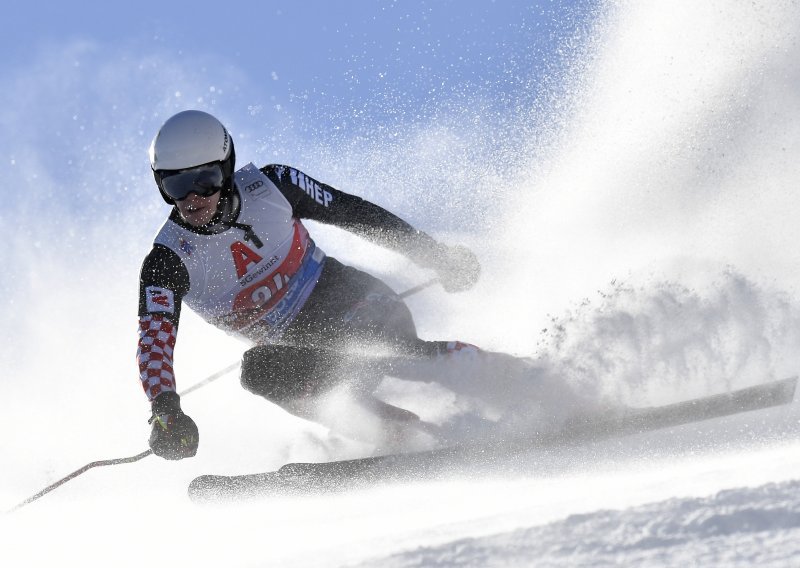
(163, 283)
(311, 199)
(457, 266)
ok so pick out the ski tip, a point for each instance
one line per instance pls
(219, 488)
(204, 488)
(790, 386)
(209, 488)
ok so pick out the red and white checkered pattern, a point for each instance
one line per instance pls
(460, 348)
(156, 344)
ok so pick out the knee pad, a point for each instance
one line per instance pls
(281, 373)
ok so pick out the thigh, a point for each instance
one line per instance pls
(349, 305)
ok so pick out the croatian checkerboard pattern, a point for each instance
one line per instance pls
(156, 344)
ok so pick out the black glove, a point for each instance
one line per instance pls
(458, 268)
(174, 435)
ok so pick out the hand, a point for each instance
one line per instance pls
(458, 268)
(174, 435)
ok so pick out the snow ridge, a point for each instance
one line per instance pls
(736, 527)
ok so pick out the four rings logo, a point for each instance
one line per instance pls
(253, 186)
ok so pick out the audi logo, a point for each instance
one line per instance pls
(253, 186)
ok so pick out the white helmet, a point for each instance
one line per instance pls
(187, 140)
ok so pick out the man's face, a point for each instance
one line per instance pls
(196, 210)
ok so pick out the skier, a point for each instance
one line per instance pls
(234, 249)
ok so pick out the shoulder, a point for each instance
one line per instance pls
(297, 187)
(161, 258)
(289, 174)
(284, 177)
(162, 267)
(280, 173)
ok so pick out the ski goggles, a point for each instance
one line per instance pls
(205, 181)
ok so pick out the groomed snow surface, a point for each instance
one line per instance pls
(719, 493)
(737, 527)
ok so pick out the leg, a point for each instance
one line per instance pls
(377, 331)
(352, 308)
(350, 333)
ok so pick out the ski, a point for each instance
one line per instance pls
(301, 478)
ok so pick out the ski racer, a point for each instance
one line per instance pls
(235, 250)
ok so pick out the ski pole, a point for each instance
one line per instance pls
(211, 378)
(78, 472)
(116, 461)
(418, 288)
(100, 463)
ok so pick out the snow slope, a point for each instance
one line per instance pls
(740, 527)
(641, 248)
(656, 499)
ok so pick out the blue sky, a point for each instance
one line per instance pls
(87, 84)
(329, 60)
(338, 49)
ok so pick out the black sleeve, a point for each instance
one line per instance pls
(311, 199)
(163, 283)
